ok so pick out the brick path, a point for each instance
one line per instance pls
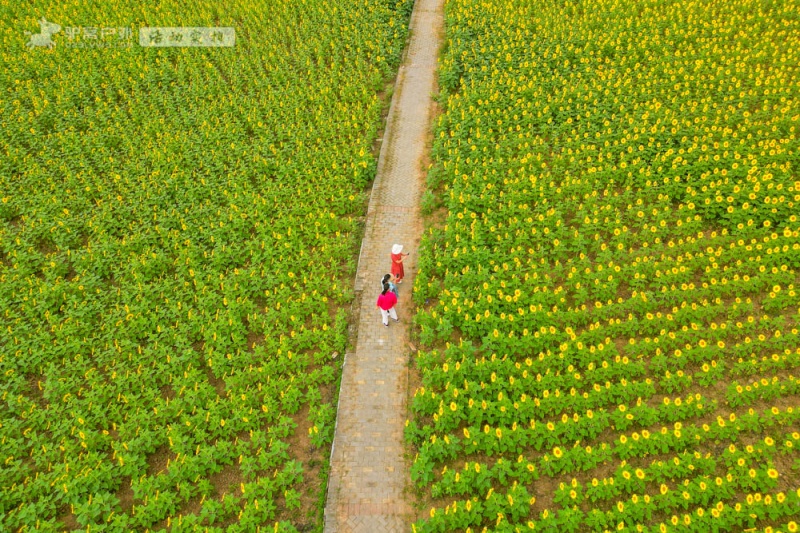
(368, 471)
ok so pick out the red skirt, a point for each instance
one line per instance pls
(397, 268)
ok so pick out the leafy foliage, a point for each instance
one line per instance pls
(177, 231)
(618, 268)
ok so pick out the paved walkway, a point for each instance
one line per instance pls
(368, 473)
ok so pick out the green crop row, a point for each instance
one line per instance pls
(611, 299)
(178, 228)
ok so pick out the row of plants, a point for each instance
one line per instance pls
(608, 312)
(178, 228)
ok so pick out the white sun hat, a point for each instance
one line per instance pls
(397, 248)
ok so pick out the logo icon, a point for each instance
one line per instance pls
(46, 30)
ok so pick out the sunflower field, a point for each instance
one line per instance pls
(609, 311)
(178, 233)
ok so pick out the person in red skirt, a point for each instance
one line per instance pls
(397, 262)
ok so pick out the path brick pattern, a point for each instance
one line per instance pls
(368, 472)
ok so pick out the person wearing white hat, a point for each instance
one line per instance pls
(397, 262)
